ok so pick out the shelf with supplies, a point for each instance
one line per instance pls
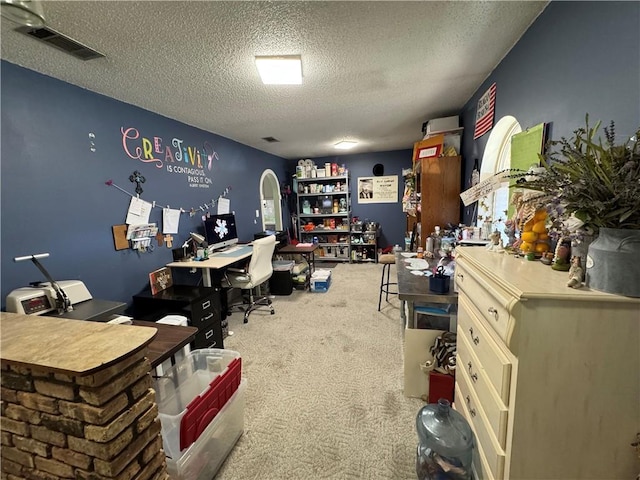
(324, 215)
(364, 241)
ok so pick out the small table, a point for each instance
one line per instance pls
(307, 252)
(414, 288)
(169, 340)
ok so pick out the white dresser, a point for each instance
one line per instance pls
(548, 376)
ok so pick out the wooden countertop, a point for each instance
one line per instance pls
(72, 347)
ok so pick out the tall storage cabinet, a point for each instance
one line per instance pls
(324, 212)
(549, 376)
(438, 181)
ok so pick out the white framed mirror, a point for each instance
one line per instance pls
(270, 201)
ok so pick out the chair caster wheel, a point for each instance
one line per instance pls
(246, 319)
(272, 312)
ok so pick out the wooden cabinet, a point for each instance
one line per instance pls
(438, 183)
(548, 376)
(201, 306)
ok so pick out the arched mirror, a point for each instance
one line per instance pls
(497, 157)
(270, 201)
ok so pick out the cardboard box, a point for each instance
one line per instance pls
(320, 281)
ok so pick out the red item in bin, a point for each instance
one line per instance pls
(205, 407)
(441, 386)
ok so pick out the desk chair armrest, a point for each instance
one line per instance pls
(237, 270)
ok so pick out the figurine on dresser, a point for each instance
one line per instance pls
(576, 273)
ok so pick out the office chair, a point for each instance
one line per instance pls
(258, 271)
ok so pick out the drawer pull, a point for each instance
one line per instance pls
(494, 312)
(474, 376)
(472, 411)
(460, 276)
(206, 304)
(207, 317)
(209, 334)
(475, 339)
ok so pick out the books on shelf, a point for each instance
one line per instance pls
(160, 280)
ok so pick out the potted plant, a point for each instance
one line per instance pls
(591, 187)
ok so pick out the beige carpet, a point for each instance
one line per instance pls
(325, 376)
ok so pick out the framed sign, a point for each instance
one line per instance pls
(378, 189)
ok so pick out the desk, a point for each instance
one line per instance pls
(216, 261)
(307, 252)
(413, 288)
(169, 340)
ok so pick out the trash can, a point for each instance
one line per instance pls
(281, 281)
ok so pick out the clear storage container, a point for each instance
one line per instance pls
(446, 443)
(192, 393)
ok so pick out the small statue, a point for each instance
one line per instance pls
(576, 273)
(510, 232)
(495, 243)
(561, 259)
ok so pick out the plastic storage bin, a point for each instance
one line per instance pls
(202, 460)
(192, 393)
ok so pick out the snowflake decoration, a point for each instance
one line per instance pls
(221, 228)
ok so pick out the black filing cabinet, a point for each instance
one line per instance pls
(201, 306)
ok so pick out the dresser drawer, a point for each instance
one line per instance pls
(476, 377)
(485, 440)
(492, 360)
(491, 301)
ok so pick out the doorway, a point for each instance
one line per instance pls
(270, 201)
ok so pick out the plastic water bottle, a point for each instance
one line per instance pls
(446, 443)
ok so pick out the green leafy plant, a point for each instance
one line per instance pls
(599, 184)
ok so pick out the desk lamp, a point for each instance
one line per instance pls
(198, 241)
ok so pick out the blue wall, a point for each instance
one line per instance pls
(54, 197)
(389, 215)
(577, 58)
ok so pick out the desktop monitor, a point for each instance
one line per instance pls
(220, 231)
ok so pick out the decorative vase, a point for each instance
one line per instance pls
(613, 264)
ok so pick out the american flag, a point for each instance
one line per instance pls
(484, 113)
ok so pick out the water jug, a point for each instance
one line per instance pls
(446, 443)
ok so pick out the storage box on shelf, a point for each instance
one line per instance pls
(193, 393)
(324, 215)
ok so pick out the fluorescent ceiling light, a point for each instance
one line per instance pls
(283, 70)
(345, 145)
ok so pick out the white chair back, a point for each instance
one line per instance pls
(260, 267)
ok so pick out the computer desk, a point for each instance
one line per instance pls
(216, 261)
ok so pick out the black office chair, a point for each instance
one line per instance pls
(253, 276)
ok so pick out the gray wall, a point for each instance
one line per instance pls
(577, 58)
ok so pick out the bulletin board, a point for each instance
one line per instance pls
(526, 147)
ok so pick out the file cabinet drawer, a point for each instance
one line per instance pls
(492, 360)
(493, 453)
(492, 302)
(493, 406)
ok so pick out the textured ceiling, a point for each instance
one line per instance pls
(372, 71)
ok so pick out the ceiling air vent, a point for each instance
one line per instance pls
(270, 139)
(61, 42)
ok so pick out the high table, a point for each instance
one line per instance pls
(414, 288)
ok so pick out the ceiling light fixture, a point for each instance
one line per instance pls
(345, 145)
(24, 12)
(280, 70)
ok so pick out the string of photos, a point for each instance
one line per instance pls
(137, 232)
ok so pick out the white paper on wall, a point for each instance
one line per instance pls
(224, 204)
(170, 220)
(138, 212)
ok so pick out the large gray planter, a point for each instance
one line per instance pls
(613, 262)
